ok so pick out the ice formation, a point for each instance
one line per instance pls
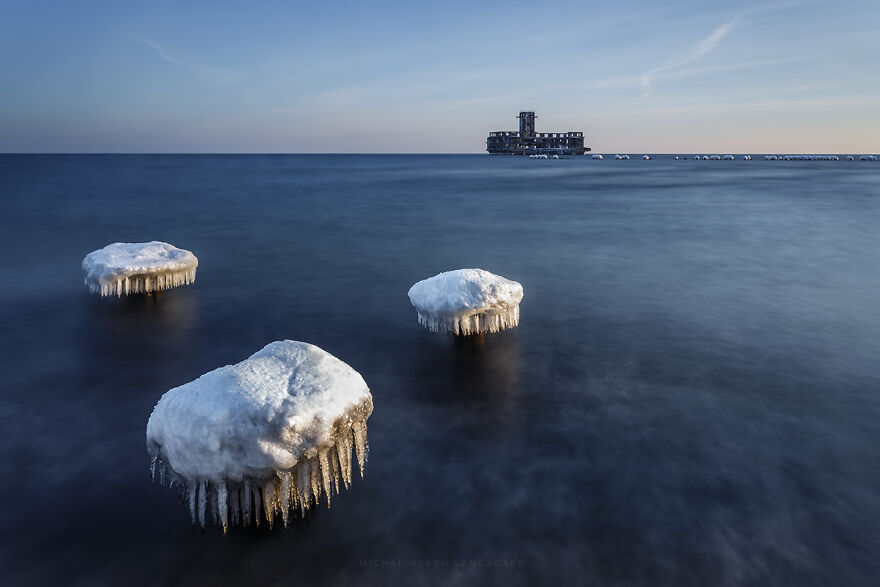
(128, 268)
(467, 301)
(265, 437)
(811, 158)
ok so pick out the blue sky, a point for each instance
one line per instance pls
(395, 76)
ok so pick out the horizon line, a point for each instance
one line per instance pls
(293, 153)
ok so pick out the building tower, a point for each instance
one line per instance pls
(526, 124)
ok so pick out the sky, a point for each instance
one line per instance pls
(412, 77)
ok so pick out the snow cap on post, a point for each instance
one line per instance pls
(467, 301)
(129, 268)
(264, 436)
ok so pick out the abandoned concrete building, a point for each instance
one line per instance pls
(527, 142)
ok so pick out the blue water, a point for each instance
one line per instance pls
(692, 396)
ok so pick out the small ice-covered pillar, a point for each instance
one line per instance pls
(273, 430)
(467, 301)
(130, 268)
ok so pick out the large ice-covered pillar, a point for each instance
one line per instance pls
(265, 436)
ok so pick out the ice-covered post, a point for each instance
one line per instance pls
(467, 301)
(267, 436)
(131, 268)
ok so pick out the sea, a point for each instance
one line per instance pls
(692, 396)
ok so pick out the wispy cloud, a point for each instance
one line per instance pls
(627, 82)
(700, 50)
(159, 49)
(711, 41)
(215, 74)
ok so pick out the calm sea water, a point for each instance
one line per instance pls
(692, 397)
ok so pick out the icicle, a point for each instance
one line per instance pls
(246, 503)
(203, 498)
(334, 467)
(490, 321)
(222, 506)
(360, 443)
(277, 494)
(303, 486)
(324, 461)
(314, 479)
(236, 510)
(192, 501)
(153, 469)
(142, 283)
(285, 495)
(294, 493)
(212, 507)
(493, 321)
(343, 447)
(257, 499)
(269, 501)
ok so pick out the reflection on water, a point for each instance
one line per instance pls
(689, 398)
(125, 325)
(478, 375)
(486, 367)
